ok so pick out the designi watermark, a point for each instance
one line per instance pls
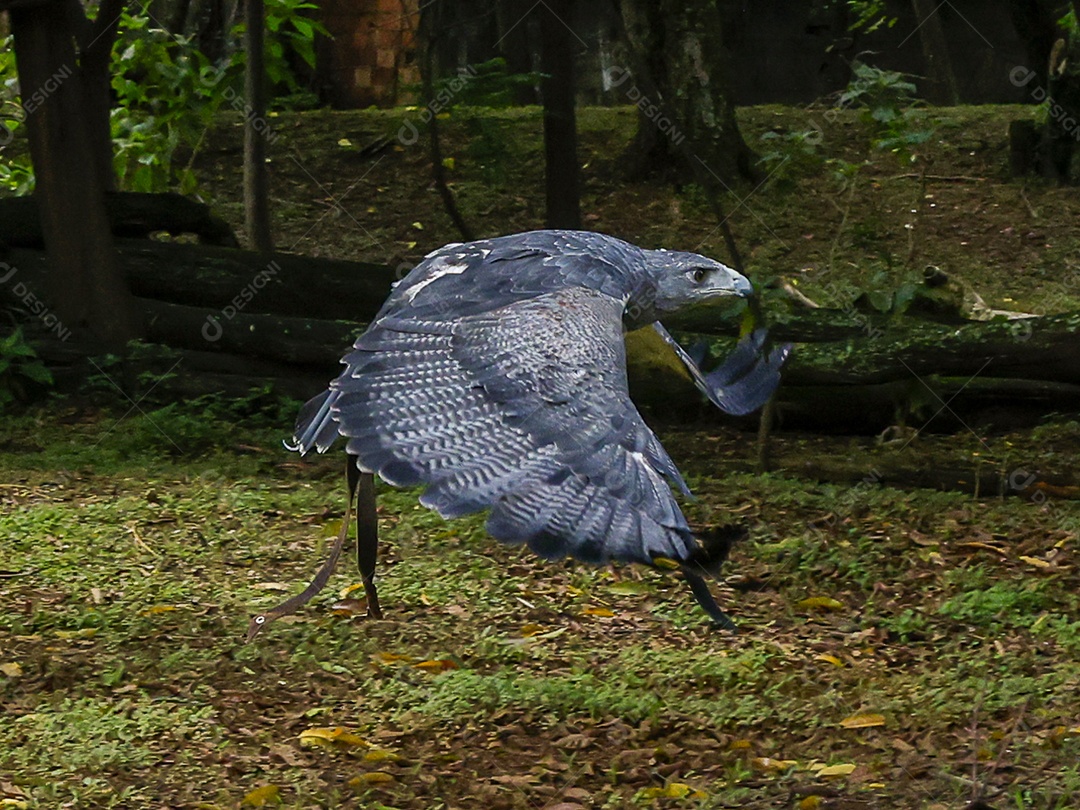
(212, 330)
(34, 305)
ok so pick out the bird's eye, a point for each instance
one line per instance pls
(700, 274)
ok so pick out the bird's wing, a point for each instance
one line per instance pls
(523, 410)
(745, 380)
(460, 280)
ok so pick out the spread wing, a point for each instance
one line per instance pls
(523, 410)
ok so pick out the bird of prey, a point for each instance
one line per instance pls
(495, 376)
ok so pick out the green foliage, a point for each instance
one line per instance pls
(16, 174)
(1068, 21)
(870, 15)
(167, 93)
(19, 365)
(290, 33)
(998, 604)
(487, 84)
(787, 155)
(888, 100)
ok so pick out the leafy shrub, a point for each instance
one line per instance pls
(19, 365)
(888, 99)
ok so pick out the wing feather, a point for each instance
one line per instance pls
(523, 410)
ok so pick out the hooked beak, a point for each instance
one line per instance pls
(735, 284)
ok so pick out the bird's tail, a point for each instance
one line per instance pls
(713, 548)
(315, 425)
(714, 545)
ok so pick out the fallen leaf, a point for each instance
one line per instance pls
(771, 765)
(597, 611)
(837, 770)
(821, 603)
(372, 778)
(12, 670)
(863, 721)
(630, 588)
(391, 659)
(438, 665)
(349, 607)
(810, 803)
(673, 790)
(86, 632)
(332, 738)
(1037, 562)
(262, 796)
(153, 611)
(381, 755)
(829, 659)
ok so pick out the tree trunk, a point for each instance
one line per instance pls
(561, 168)
(935, 48)
(516, 45)
(682, 94)
(430, 26)
(256, 184)
(96, 44)
(86, 289)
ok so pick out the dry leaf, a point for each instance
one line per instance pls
(821, 603)
(372, 778)
(837, 770)
(810, 803)
(262, 796)
(863, 721)
(770, 765)
(12, 670)
(673, 790)
(1036, 561)
(349, 607)
(597, 611)
(438, 665)
(381, 755)
(630, 588)
(332, 738)
(152, 611)
(829, 659)
(390, 659)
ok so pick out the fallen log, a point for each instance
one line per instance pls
(131, 214)
(234, 281)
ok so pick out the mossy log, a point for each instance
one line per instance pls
(233, 281)
(131, 214)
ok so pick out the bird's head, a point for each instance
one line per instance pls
(678, 279)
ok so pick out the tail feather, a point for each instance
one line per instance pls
(315, 425)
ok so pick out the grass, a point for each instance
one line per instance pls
(130, 572)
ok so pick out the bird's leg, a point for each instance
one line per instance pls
(704, 597)
(258, 623)
(362, 487)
